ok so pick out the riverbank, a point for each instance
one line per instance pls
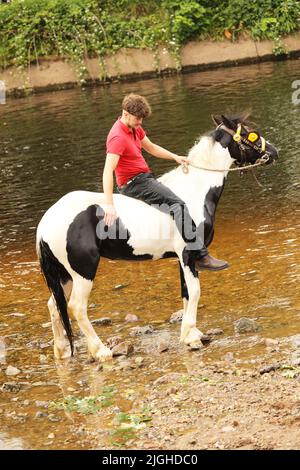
(134, 64)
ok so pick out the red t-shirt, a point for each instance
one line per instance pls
(127, 143)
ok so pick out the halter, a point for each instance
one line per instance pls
(240, 140)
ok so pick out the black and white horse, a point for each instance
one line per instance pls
(71, 239)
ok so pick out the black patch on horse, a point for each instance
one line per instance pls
(210, 205)
(88, 239)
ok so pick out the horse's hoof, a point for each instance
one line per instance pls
(103, 354)
(192, 337)
(62, 353)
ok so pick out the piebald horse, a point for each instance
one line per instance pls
(71, 236)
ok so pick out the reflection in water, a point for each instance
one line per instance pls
(55, 143)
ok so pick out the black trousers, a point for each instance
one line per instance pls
(147, 189)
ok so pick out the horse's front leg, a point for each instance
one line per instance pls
(184, 290)
(190, 291)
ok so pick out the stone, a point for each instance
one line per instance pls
(16, 314)
(43, 359)
(295, 341)
(228, 429)
(41, 404)
(195, 346)
(130, 317)
(102, 321)
(122, 349)
(176, 317)
(269, 342)
(40, 414)
(215, 332)
(10, 371)
(229, 357)
(245, 325)
(54, 418)
(113, 341)
(120, 286)
(163, 344)
(139, 361)
(141, 330)
(269, 368)
(171, 377)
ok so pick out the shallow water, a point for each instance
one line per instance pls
(54, 143)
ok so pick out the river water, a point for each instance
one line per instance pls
(54, 143)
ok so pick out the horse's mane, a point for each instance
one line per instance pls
(242, 117)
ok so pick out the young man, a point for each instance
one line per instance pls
(134, 178)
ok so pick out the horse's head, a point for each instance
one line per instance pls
(244, 143)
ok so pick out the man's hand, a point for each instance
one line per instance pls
(181, 160)
(110, 214)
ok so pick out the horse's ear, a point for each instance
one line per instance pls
(230, 124)
(216, 119)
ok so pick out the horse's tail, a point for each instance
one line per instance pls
(55, 273)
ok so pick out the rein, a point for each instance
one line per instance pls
(259, 162)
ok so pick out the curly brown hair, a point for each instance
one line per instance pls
(136, 105)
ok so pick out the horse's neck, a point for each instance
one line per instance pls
(193, 187)
(209, 154)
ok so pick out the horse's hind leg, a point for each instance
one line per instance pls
(62, 348)
(78, 307)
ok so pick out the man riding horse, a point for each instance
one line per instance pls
(134, 178)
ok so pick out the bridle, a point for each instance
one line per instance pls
(243, 143)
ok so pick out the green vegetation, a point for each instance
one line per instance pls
(86, 405)
(31, 29)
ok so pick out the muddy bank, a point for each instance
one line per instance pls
(133, 64)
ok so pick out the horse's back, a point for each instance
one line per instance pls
(144, 224)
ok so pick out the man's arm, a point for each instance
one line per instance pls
(161, 152)
(108, 187)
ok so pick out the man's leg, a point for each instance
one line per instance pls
(147, 189)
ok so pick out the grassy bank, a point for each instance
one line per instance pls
(32, 29)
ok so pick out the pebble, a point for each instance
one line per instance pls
(43, 359)
(113, 341)
(51, 436)
(171, 377)
(228, 429)
(122, 349)
(102, 321)
(40, 414)
(10, 371)
(269, 368)
(41, 404)
(176, 317)
(245, 325)
(163, 343)
(54, 418)
(215, 332)
(130, 317)
(229, 357)
(269, 342)
(141, 330)
(139, 361)
(16, 314)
